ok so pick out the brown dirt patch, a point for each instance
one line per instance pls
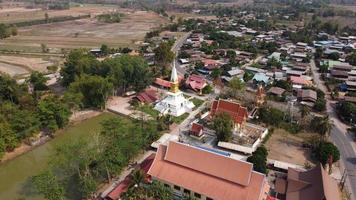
(283, 146)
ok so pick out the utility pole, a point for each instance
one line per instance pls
(343, 180)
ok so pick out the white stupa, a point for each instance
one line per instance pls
(175, 103)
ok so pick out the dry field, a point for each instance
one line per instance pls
(86, 33)
(345, 7)
(20, 14)
(17, 66)
(286, 147)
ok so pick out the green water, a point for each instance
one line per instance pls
(15, 174)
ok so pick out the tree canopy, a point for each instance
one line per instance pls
(259, 159)
(223, 125)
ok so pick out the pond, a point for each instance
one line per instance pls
(15, 174)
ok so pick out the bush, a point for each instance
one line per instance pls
(207, 89)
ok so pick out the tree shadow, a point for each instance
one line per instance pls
(351, 160)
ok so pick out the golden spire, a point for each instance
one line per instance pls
(174, 79)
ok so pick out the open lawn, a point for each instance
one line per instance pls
(284, 146)
(84, 33)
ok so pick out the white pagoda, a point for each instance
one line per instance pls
(174, 103)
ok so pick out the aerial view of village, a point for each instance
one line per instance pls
(177, 99)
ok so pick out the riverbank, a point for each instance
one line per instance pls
(76, 117)
(15, 174)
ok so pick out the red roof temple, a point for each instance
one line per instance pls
(237, 112)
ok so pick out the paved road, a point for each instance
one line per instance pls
(176, 47)
(339, 136)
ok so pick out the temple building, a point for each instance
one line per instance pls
(260, 96)
(175, 103)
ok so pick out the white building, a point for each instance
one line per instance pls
(175, 103)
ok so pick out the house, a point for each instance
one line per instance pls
(339, 74)
(299, 56)
(196, 83)
(210, 64)
(261, 78)
(206, 175)
(315, 184)
(342, 67)
(276, 56)
(184, 61)
(237, 112)
(299, 81)
(148, 96)
(351, 85)
(307, 97)
(277, 91)
(235, 72)
(196, 130)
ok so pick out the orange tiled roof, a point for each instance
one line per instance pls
(237, 112)
(213, 175)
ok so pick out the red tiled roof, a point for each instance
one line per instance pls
(124, 185)
(120, 189)
(196, 129)
(299, 80)
(147, 96)
(162, 82)
(146, 164)
(195, 82)
(210, 174)
(235, 110)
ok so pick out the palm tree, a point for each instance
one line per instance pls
(324, 127)
(304, 111)
(138, 177)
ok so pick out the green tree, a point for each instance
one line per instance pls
(78, 62)
(38, 81)
(259, 159)
(10, 90)
(207, 89)
(321, 125)
(95, 90)
(216, 73)
(163, 57)
(8, 140)
(53, 113)
(247, 76)
(223, 125)
(304, 111)
(347, 111)
(48, 185)
(351, 58)
(236, 85)
(319, 52)
(324, 150)
(324, 68)
(104, 49)
(334, 56)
